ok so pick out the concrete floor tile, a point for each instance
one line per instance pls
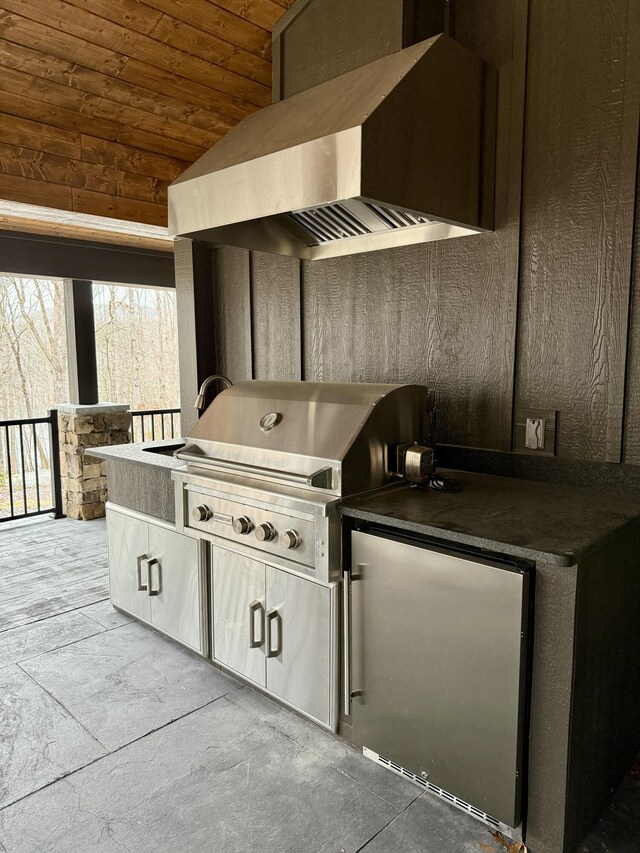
(105, 614)
(124, 683)
(430, 825)
(218, 780)
(27, 641)
(333, 751)
(39, 740)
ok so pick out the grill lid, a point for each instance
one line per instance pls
(329, 435)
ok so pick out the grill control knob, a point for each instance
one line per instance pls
(291, 539)
(265, 532)
(242, 525)
(201, 513)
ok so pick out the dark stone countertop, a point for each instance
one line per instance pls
(522, 518)
(139, 455)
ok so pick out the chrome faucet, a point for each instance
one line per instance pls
(199, 403)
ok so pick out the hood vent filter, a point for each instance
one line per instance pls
(352, 219)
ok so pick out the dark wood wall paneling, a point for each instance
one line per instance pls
(344, 36)
(631, 434)
(442, 314)
(581, 143)
(233, 313)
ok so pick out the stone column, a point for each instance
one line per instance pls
(84, 481)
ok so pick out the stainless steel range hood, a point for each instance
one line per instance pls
(396, 152)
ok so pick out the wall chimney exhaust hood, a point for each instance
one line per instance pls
(396, 152)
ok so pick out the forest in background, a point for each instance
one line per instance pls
(136, 345)
(137, 362)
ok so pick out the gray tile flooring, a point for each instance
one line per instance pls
(114, 739)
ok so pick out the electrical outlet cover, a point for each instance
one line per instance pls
(535, 431)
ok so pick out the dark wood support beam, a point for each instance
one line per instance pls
(81, 342)
(55, 257)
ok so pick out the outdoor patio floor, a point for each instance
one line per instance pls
(113, 738)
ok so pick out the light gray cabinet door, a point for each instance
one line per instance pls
(298, 642)
(238, 609)
(128, 553)
(174, 586)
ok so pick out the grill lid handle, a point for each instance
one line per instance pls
(320, 479)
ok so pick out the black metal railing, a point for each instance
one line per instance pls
(154, 424)
(30, 467)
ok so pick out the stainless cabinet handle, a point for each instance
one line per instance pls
(346, 641)
(154, 562)
(273, 617)
(255, 607)
(139, 561)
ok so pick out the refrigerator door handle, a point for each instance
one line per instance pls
(348, 578)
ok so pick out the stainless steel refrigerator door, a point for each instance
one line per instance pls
(438, 668)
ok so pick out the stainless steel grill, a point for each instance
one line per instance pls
(273, 451)
(266, 467)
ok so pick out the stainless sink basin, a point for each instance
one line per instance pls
(165, 450)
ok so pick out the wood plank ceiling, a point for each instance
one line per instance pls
(104, 102)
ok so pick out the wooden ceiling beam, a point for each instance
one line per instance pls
(79, 232)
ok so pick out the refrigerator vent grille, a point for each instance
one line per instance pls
(514, 833)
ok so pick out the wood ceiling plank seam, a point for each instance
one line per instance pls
(25, 33)
(182, 87)
(101, 151)
(69, 120)
(100, 204)
(78, 77)
(194, 42)
(213, 19)
(55, 169)
(53, 140)
(129, 13)
(28, 191)
(20, 30)
(104, 33)
(103, 109)
(264, 13)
